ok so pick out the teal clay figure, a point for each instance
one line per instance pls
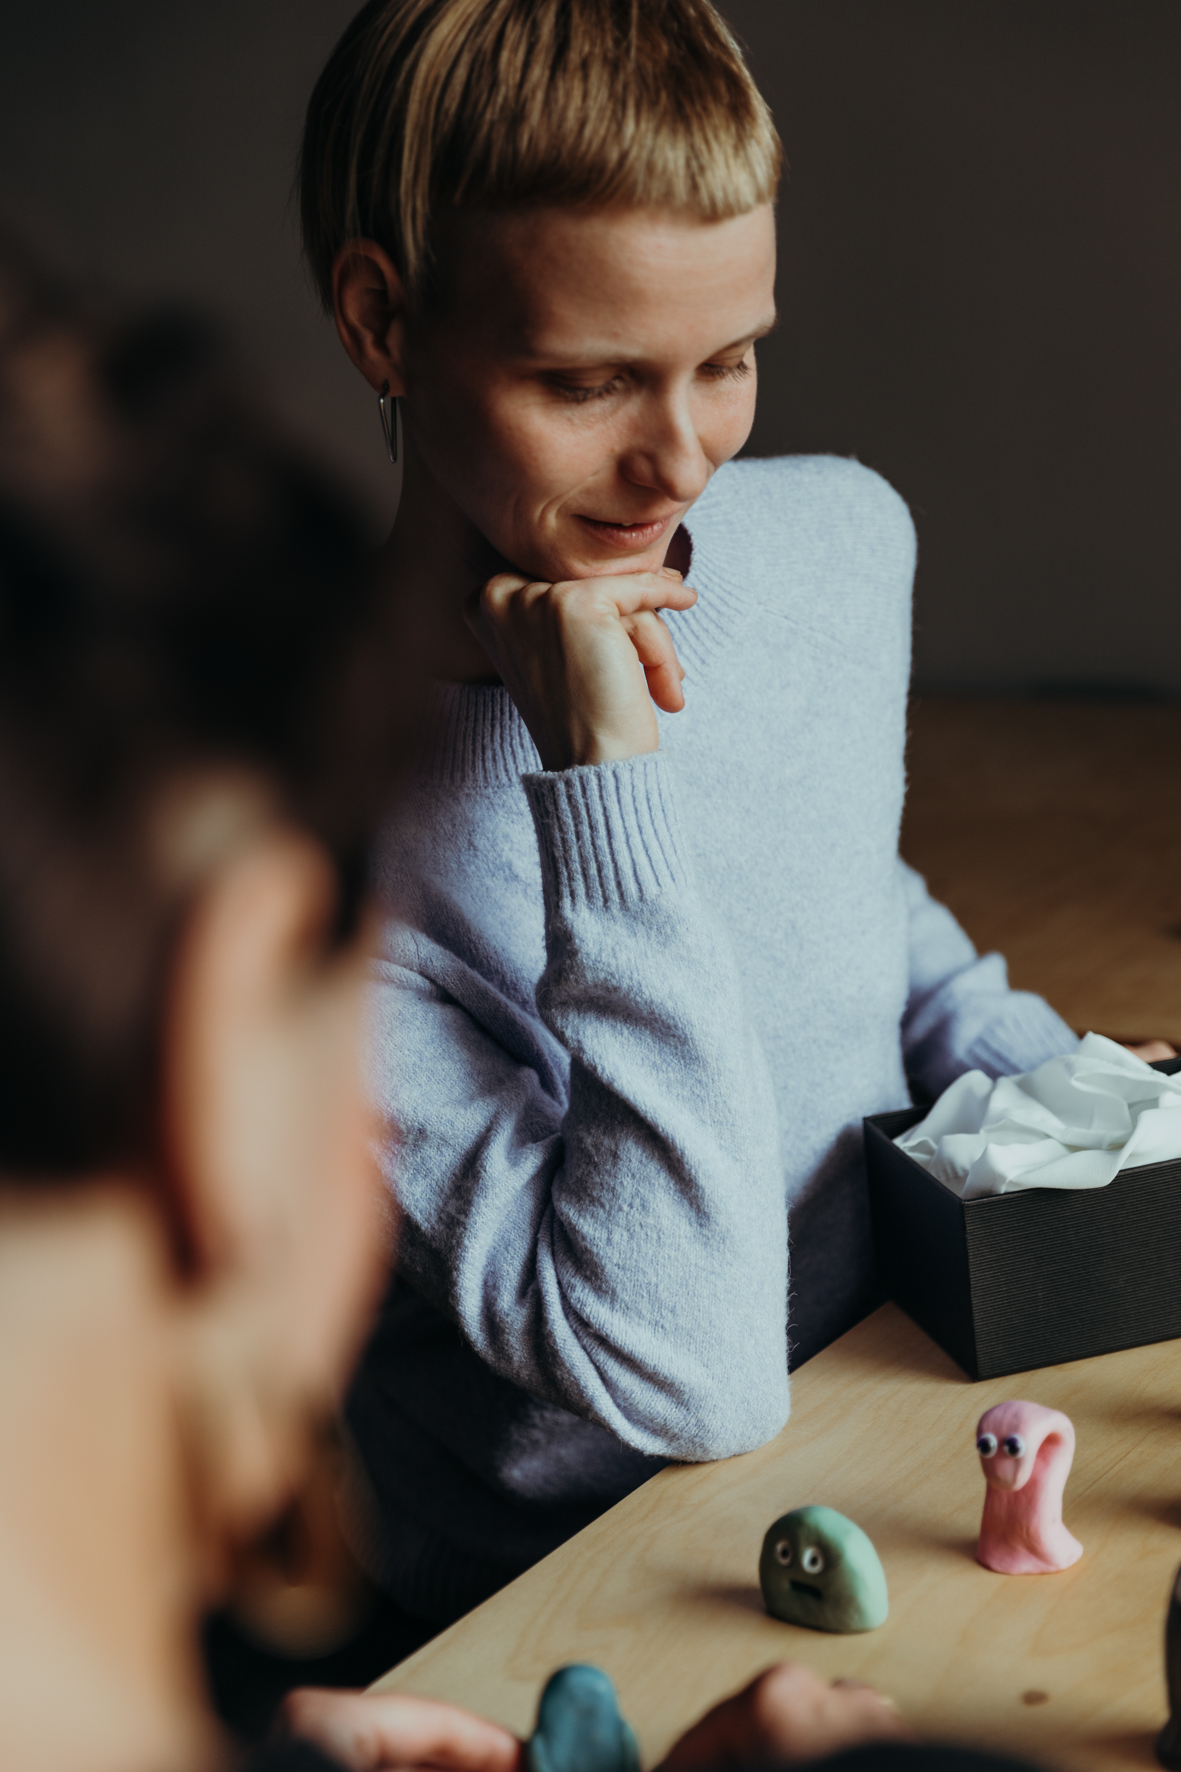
(820, 1570)
(579, 1728)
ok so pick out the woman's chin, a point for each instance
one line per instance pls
(550, 560)
(591, 563)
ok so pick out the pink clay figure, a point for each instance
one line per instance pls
(1025, 1453)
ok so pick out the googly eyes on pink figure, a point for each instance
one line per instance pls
(1021, 1529)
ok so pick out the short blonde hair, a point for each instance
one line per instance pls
(433, 104)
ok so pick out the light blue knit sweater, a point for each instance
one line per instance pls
(629, 1014)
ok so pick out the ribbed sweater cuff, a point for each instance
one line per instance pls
(476, 738)
(1028, 1033)
(609, 833)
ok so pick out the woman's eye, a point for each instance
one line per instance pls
(728, 371)
(578, 394)
(783, 1552)
(1014, 1445)
(986, 1445)
(813, 1560)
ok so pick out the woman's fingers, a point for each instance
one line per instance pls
(567, 654)
(380, 1732)
(657, 654)
(633, 591)
(1152, 1051)
(787, 1714)
(497, 601)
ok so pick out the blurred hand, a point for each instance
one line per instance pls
(1152, 1051)
(789, 1714)
(585, 660)
(381, 1731)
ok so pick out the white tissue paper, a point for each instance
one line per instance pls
(1074, 1122)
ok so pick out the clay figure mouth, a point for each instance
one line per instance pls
(805, 1587)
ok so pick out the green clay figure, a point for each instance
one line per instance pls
(820, 1570)
(579, 1728)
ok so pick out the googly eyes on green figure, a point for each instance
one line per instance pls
(820, 1570)
(811, 1559)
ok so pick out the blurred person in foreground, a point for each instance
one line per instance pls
(196, 730)
(199, 720)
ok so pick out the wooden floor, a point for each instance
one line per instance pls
(1053, 830)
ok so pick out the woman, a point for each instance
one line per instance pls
(196, 729)
(651, 958)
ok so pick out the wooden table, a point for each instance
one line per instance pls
(1053, 830)
(663, 1592)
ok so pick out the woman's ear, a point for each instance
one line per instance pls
(369, 303)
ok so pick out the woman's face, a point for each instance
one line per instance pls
(587, 375)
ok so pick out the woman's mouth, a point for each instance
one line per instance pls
(629, 537)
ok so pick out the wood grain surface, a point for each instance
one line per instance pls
(662, 1591)
(1053, 831)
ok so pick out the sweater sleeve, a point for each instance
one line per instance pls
(616, 1244)
(961, 1014)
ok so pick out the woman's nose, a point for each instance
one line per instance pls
(665, 454)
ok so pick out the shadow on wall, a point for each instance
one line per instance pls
(981, 273)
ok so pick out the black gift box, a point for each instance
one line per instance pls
(1026, 1279)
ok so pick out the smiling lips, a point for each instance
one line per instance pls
(629, 537)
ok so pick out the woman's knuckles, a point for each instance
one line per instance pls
(509, 595)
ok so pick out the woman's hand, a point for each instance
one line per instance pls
(384, 1731)
(1152, 1051)
(788, 1715)
(584, 661)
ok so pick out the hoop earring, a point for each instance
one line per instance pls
(389, 420)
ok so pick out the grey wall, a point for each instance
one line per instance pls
(981, 272)
(153, 143)
(982, 294)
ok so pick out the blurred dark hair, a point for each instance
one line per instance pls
(182, 596)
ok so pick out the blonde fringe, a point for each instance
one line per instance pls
(427, 104)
